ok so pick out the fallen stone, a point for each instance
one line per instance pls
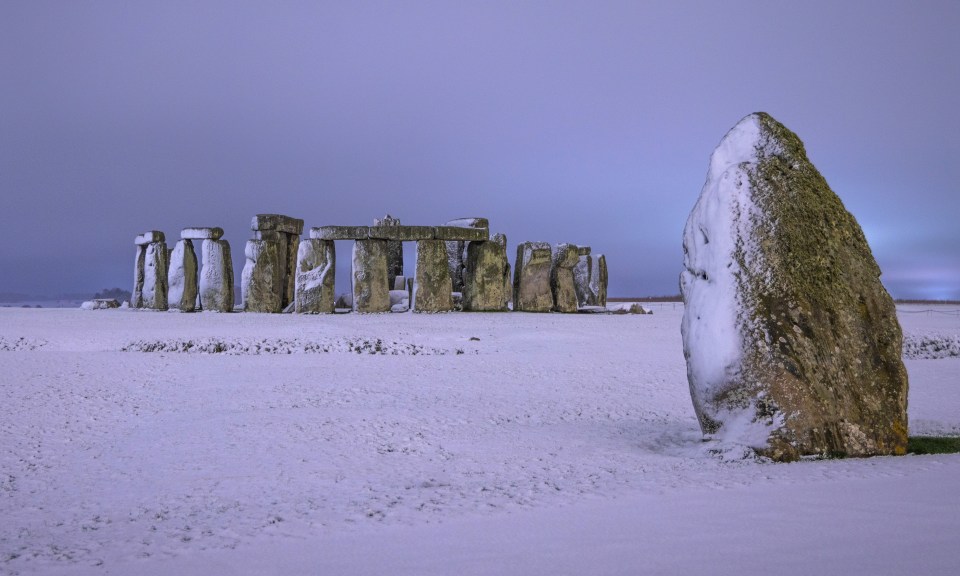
(431, 291)
(531, 278)
(486, 277)
(277, 222)
(340, 232)
(259, 278)
(401, 297)
(565, 257)
(149, 238)
(371, 292)
(216, 277)
(792, 343)
(201, 233)
(100, 304)
(154, 293)
(316, 269)
(182, 284)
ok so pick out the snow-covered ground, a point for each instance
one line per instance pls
(135, 442)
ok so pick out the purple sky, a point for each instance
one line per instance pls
(583, 122)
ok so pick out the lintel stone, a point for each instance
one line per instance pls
(340, 232)
(583, 250)
(399, 232)
(277, 222)
(149, 237)
(197, 233)
(462, 233)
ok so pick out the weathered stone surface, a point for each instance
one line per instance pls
(201, 233)
(216, 277)
(792, 343)
(565, 257)
(272, 235)
(581, 281)
(316, 268)
(182, 285)
(371, 291)
(431, 291)
(259, 277)
(154, 294)
(598, 279)
(399, 283)
(277, 222)
(149, 237)
(340, 232)
(387, 228)
(139, 262)
(458, 233)
(288, 286)
(531, 278)
(583, 250)
(486, 277)
(402, 233)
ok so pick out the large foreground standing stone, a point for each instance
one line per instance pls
(792, 343)
(261, 279)
(598, 279)
(565, 257)
(371, 292)
(531, 278)
(486, 276)
(316, 266)
(431, 291)
(154, 292)
(182, 277)
(216, 277)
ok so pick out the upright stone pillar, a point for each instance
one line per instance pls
(182, 277)
(316, 266)
(598, 279)
(565, 257)
(394, 250)
(262, 276)
(216, 277)
(284, 232)
(457, 249)
(486, 276)
(150, 271)
(531, 278)
(136, 297)
(581, 278)
(371, 292)
(431, 291)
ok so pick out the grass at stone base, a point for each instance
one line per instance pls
(933, 444)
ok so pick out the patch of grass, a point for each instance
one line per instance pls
(933, 444)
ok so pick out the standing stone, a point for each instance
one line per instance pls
(182, 278)
(486, 276)
(531, 278)
(598, 279)
(582, 273)
(216, 276)
(792, 344)
(371, 292)
(285, 232)
(154, 292)
(316, 266)
(565, 257)
(431, 292)
(457, 249)
(259, 278)
(139, 262)
(288, 293)
(394, 249)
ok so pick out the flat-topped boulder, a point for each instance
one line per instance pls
(340, 232)
(149, 237)
(197, 233)
(277, 222)
(792, 343)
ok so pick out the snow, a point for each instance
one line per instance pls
(718, 228)
(508, 443)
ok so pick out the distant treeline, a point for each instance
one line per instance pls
(119, 293)
(909, 301)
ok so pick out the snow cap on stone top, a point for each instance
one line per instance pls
(149, 237)
(197, 233)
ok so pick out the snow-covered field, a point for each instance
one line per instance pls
(134, 442)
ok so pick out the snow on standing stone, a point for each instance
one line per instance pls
(791, 341)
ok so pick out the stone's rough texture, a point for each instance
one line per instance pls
(402, 233)
(216, 277)
(531, 278)
(792, 343)
(277, 222)
(136, 297)
(154, 293)
(565, 257)
(316, 266)
(258, 280)
(182, 284)
(581, 281)
(288, 283)
(431, 292)
(598, 279)
(340, 233)
(583, 250)
(399, 283)
(388, 228)
(371, 292)
(201, 233)
(486, 277)
(456, 234)
(149, 238)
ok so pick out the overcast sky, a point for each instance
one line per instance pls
(585, 122)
